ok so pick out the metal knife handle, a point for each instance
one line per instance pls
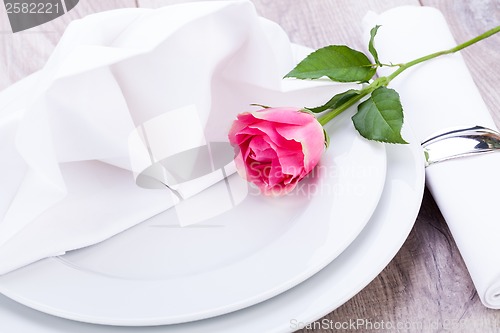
(459, 143)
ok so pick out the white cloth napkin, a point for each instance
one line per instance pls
(72, 135)
(438, 95)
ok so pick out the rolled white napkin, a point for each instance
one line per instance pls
(123, 90)
(437, 95)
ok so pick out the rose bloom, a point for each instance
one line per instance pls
(276, 147)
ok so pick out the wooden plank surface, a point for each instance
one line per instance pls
(427, 282)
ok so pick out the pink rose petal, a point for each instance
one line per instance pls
(276, 147)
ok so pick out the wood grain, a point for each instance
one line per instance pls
(427, 282)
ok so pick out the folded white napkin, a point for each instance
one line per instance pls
(438, 95)
(122, 91)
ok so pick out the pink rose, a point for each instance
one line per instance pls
(276, 147)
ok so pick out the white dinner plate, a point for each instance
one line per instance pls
(159, 273)
(362, 261)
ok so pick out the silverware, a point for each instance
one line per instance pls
(459, 143)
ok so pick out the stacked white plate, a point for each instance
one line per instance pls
(267, 265)
(295, 258)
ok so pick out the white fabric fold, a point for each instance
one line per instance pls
(438, 95)
(67, 132)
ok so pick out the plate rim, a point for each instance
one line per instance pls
(8, 287)
(264, 317)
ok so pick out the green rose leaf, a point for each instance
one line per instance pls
(371, 47)
(380, 117)
(335, 101)
(337, 62)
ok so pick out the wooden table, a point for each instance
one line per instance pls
(427, 281)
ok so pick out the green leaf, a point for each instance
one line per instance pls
(335, 101)
(337, 62)
(380, 117)
(371, 47)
